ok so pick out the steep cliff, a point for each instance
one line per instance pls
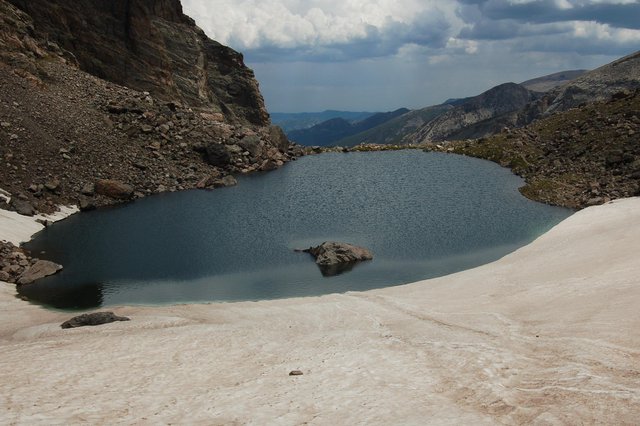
(150, 45)
(68, 136)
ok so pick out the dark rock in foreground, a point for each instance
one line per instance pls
(96, 318)
(335, 258)
(40, 269)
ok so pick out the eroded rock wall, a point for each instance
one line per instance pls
(151, 46)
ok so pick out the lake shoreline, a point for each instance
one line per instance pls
(435, 215)
(524, 339)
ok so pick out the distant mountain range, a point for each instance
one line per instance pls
(506, 105)
(456, 118)
(583, 156)
(513, 105)
(395, 130)
(289, 121)
(494, 103)
(331, 131)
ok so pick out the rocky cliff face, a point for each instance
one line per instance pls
(70, 137)
(150, 45)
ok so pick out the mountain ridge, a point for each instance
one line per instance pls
(596, 85)
(469, 118)
(304, 120)
(497, 101)
(586, 155)
(395, 130)
(331, 131)
(551, 81)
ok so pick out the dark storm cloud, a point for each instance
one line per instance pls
(486, 29)
(548, 11)
(567, 43)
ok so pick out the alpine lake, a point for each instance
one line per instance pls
(422, 215)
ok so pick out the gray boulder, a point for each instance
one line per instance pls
(22, 207)
(86, 204)
(96, 318)
(226, 181)
(40, 269)
(253, 145)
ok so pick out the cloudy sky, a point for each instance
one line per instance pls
(379, 55)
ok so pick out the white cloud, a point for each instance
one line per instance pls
(603, 32)
(289, 24)
(343, 30)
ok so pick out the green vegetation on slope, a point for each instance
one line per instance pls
(584, 156)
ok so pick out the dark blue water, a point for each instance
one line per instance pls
(422, 214)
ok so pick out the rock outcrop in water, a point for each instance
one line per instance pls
(18, 267)
(335, 258)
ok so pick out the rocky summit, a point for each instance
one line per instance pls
(108, 101)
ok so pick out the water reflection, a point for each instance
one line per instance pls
(87, 295)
